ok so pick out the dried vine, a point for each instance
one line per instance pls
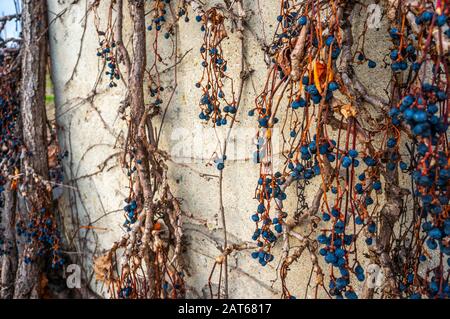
(335, 134)
(150, 264)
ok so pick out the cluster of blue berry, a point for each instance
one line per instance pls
(130, 213)
(214, 71)
(424, 109)
(42, 231)
(431, 175)
(183, 12)
(10, 143)
(401, 57)
(340, 239)
(146, 170)
(159, 25)
(269, 187)
(41, 228)
(126, 290)
(312, 84)
(159, 16)
(107, 51)
(171, 290)
(131, 208)
(362, 58)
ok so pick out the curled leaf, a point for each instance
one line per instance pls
(103, 269)
(347, 110)
(319, 70)
(284, 60)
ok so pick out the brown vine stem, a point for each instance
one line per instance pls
(136, 95)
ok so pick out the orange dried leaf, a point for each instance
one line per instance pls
(283, 60)
(156, 226)
(319, 71)
(52, 152)
(103, 269)
(348, 110)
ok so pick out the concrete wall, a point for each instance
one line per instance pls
(92, 132)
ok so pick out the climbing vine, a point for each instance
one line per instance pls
(150, 265)
(376, 164)
(30, 164)
(333, 137)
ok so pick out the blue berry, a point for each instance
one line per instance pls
(391, 142)
(339, 227)
(435, 233)
(372, 227)
(303, 20)
(278, 228)
(420, 116)
(339, 252)
(358, 221)
(426, 16)
(415, 296)
(305, 80)
(369, 161)
(394, 33)
(298, 103)
(330, 258)
(431, 243)
(322, 239)
(346, 162)
(329, 41)
(333, 86)
(403, 166)
(351, 295)
(353, 153)
(394, 55)
(441, 20)
(261, 208)
(335, 212)
(377, 185)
